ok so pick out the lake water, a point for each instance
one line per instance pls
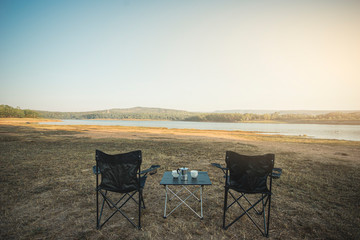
(323, 131)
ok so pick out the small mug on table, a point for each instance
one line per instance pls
(194, 173)
(175, 173)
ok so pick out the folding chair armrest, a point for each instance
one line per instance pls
(152, 170)
(219, 166)
(276, 173)
(94, 170)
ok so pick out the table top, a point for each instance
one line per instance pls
(202, 179)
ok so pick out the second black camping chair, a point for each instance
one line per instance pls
(249, 175)
(120, 174)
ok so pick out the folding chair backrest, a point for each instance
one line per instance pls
(249, 174)
(119, 173)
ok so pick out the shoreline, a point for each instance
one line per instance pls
(104, 131)
(345, 132)
(325, 122)
(321, 122)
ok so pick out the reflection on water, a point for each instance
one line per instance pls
(342, 132)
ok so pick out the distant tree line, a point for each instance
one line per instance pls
(176, 115)
(239, 117)
(10, 112)
(202, 117)
(116, 115)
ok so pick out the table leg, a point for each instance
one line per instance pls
(171, 198)
(201, 202)
(183, 201)
(192, 193)
(166, 196)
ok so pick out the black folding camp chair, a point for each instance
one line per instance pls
(249, 176)
(120, 174)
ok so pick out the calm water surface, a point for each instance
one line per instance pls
(341, 132)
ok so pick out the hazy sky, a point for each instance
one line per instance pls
(190, 55)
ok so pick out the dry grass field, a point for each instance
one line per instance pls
(48, 189)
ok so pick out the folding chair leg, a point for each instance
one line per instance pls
(225, 206)
(101, 211)
(265, 201)
(131, 196)
(112, 204)
(141, 200)
(268, 217)
(97, 209)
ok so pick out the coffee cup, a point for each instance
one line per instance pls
(194, 173)
(175, 173)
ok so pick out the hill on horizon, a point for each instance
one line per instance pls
(145, 109)
(122, 113)
(139, 109)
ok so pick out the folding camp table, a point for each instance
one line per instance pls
(200, 181)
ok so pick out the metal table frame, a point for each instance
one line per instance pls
(201, 180)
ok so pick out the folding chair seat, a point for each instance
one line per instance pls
(120, 175)
(248, 181)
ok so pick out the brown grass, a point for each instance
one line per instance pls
(47, 186)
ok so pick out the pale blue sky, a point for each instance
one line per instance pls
(190, 55)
